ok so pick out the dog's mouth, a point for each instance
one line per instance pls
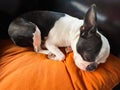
(86, 66)
(92, 67)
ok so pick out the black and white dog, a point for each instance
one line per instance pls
(90, 47)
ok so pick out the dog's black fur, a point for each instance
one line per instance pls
(47, 22)
(27, 23)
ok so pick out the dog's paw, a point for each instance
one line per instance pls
(44, 51)
(51, 56)
(68, 49)
(54, 57)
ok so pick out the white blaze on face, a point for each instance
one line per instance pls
(37, 40)
(80, 63)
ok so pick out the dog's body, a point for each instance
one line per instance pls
(90, 48)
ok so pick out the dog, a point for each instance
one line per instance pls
(58, 29)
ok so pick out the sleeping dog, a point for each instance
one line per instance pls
(89, 46)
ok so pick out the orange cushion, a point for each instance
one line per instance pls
(23, 69)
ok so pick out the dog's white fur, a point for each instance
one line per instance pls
(66, 32)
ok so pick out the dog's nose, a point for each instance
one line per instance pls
(91, 67)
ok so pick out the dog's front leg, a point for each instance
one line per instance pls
(56, 53)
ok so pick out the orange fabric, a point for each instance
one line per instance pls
(23, 69)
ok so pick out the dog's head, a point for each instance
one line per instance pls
(92, 48)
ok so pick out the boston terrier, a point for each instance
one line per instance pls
(57, 29)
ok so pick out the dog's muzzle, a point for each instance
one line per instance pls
(91, 67)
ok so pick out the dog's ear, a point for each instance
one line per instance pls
(90, 19)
